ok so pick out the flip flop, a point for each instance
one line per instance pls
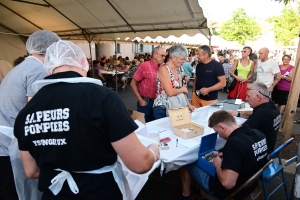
(297, 121)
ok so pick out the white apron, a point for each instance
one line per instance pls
(116, 169)
(27, 189)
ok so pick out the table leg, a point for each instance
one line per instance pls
(163, 184)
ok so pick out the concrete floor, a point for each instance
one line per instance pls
(153, 188)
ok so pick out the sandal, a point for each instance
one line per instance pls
(297, 121)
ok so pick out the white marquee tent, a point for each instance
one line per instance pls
(98, 20)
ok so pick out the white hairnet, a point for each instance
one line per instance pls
(39, 41)
(64, 53)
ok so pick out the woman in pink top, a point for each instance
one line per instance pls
(281, 91)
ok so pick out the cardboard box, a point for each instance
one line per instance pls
(208, 144)
(181, 118)
(139, 119)
(137, 115)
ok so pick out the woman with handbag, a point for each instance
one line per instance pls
(244, 68)
(169, 83)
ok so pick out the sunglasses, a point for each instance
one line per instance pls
(259, 92)
(244, 51)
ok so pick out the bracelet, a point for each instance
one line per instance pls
(153, 154)
(239, 114)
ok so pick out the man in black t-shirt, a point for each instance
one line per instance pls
(209, 78)
(75, 128)
(265, 116)
(245, 152)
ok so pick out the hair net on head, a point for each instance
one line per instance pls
(64, 53)
(39, 41)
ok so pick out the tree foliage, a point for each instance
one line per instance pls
(286, 25)
(240, 27)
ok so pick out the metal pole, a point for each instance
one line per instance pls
(295, 192)
(91, 58)
(116, 67)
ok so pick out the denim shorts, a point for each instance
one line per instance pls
(201, 176)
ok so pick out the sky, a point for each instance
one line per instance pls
(221, 10)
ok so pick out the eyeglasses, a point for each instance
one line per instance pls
(162, 55)
(182, 59)
(259, 92)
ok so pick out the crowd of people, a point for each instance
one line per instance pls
(67, 128)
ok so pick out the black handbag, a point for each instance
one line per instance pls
(232, 81)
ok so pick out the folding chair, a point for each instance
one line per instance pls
(275, 169)
(256, 194)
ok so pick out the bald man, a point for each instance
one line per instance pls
(267, 69)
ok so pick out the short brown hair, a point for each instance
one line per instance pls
(287, 56)
(221, 116)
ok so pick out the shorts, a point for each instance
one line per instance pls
(280, 97)
(197, 102)
(200, 176)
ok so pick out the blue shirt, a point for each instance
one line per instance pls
(188, 69)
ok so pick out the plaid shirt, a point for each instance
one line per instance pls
(227, 68)
(146, 78)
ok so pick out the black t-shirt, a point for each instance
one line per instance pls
(245, 152)
(207, 76)
(266, 118)
(71, 126)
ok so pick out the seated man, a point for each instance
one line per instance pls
(265, 116)
(122, 67)
(245, 152)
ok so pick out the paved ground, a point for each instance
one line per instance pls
(153, 188)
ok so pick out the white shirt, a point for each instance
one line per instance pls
(266, 71)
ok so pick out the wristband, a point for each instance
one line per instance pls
(239, 114)
(153, 154)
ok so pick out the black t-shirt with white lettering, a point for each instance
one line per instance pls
(245, 152)
(71, 126)
(207, 76)
(266, 118)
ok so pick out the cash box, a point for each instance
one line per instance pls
(208, 144)
(182, 125)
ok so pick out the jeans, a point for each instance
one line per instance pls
(147, 110)
(159, 112)
(200, 176)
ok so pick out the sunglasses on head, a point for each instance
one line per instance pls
(259, 92)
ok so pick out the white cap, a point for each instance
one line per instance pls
(64, 53)
(39, 41)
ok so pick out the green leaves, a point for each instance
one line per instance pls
(286, 26)
(240, 27)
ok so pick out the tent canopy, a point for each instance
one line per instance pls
(105, 19)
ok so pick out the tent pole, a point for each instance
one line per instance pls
(116, 67)
(91, 57)
(291, 106)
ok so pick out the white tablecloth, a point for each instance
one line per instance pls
(111, 72)
(176, 157)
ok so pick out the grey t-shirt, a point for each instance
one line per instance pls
(14, 90)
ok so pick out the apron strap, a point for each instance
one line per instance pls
(116, 169)
(58, 182)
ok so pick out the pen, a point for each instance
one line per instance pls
(177, 142)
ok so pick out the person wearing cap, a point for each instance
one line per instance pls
(71, 130)
(15, 91)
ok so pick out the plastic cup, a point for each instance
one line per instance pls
(155, 136)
